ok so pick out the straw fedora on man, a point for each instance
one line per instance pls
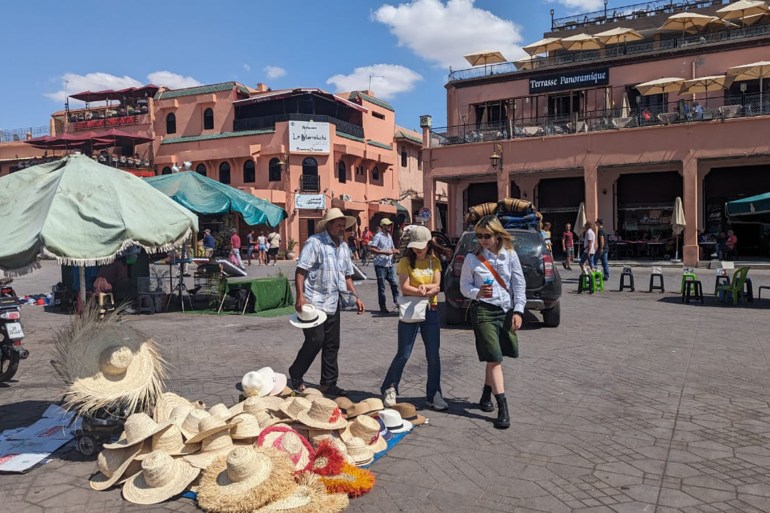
(161, 478)
(332, 214)
(246, 479)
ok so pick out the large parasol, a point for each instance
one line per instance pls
(678, 223)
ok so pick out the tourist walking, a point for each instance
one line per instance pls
(602, 249)
(209, 243)
(568, 246)
(273, 242)
(262, 248)
(589, 247)
(419, 275)
(493, 280)
(249, 246)
(235, 248)
(324, 271)
(383, 250)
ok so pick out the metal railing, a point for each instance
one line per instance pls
(310, 183)
(630, 12)
(265, 122)
(614, 51)
(22, 134)
(717, 109)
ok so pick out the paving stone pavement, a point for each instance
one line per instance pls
(636, 403)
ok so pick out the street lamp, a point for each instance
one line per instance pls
(496, 159)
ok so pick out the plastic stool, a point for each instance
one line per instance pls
(692, 289)
(102, 297)
(146, 303)
(687, 277)
(721, 280)
(598, 279)
(660, 287)
(748, 291)
(586, 282)
(760, 290)
(627, 273)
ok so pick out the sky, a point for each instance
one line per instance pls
(402, 49)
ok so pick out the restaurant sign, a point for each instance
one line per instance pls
(310, 201)
(109, 122)
(569, 80)
(309, 137)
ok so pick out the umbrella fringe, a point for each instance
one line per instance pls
(21, 271)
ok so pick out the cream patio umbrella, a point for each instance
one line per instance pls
(544, 45)
(660, 86)
(685, 21)
(525, 64)
(618, 35)
(706, 84)
(754, 71)
(580, 42)
(484, 57)
(743, 9)
(678, 223)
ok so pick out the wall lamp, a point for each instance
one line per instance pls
(496, 159)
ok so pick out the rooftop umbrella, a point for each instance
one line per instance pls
(484, 57)
(660, 86)
(678, 223)
(84, 213)
(706, 84)
(206, 196)
(544, 45)
(742, 9)
(754, 71)
(524, 64)
(618, 35)
(685, 21)
(581, 42)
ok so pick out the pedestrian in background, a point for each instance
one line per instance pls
(602, 249)
(262, 248)
(546, 232)
(494, 282)
(383, 249)
(249, 246)
(235, 248)
(209, 243)
(273, 241)
(589, 247)
(568, 246)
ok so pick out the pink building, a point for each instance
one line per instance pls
(581, 126)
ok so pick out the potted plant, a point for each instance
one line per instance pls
(290, 254)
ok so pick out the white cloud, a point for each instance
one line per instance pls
(443, 33)
(274, 72)
(580, 5)
(246, 67)
(171, 80)
(387, 80)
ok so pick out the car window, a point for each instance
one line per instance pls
(527, 244)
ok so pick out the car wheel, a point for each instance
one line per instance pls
(454, 316)
(552, 316)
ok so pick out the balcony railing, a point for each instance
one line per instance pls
(263, 122)
(615, 51)
(630, 12)
(718, 109)
(310, 183)
(22, 134)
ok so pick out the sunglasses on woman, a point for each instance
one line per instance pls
(485, 236)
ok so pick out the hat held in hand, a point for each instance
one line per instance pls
(308, 317)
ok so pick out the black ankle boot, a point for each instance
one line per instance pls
(485, 403)
(503, 420)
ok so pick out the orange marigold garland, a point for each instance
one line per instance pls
(351, 480)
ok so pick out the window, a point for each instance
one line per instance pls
(342, 172)
(249, 175)
(224, 173)
(310, 166)
(274, 170)
(208, 119)
(201, 169)
(171, 123)
(403, 156)
(375, 174)
(378, 115)
(166, 171)
(419, 160)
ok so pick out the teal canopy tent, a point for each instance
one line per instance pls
(206, 196)
(755, 208)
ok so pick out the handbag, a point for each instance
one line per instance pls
(412, 308)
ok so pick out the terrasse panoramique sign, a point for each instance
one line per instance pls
(570, 80)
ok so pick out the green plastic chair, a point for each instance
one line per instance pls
(687, 276)
(598, 279)
(735, 288)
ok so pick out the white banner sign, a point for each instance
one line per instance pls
(310, 201)
(309, 137)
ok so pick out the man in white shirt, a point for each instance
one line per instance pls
(589, 246)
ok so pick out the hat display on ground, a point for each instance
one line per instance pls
(246, 479)
(138, 427)
(221, 411)
(112, 464)
(359, 451)
(323, 414)
(107, 363)
(308, 317)
(246, 426)
(213, 447)
(344, 403)
(171, 442)
(292, 406)
(166, 404)
(263, 382)
(394, 422)
(311, 393)
(370, 405)
(328, 459)
(351, 480)
(384, 432)
(289, 442)
(309, 497)
(191, 423)
(266, 420)
(209, 426)
(367, 429)
(409, 412)
(161, 478)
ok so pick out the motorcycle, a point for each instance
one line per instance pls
(11, 332)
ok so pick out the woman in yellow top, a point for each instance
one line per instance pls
(419, 274)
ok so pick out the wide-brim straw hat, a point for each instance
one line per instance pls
(166, 404)
(255, 404)
(246, 426)
(161, 478)
(246, 479)
(137, 428)
(112, 464)
(107, 362)
(323, 414)
(293, 406)
(208, 426)
(409, 412)
(311, 393)
(352, 481)
(361, 453)
(365, 407)
(332, 214)
(213, 447)
(171, 442)
(367, 429)
(344, 403)
(221, 411)
(309, 496)
(191, 423)
(289, 442)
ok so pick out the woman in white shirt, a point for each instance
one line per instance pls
(497, 308)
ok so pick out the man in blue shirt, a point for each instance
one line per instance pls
(208, 243)
(324, 270)
(383, 250)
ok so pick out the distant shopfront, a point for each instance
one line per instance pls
(645, 204)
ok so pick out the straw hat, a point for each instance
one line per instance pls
(137, 428)
(344, 403)
(166, 404)
(107, 362)
(359, 451)
(191, 422)
(312, 393)
(266, 419)
(309, 497)
(221, 411)
(308, 317)
(351, 480)
(384, 432)
(112, 464)
(289, 442)
(328, 459)
(393, 421)
(171, 442)
(246, 479)
(332, 214)
(209, 426)
(292, 406)
(161, 478)
(323, 414)
(213, 447)
(367, 429)
(246, 426)
(366, 406)
(409, 412)
(262, 382)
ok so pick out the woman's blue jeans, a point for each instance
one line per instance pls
(431, 337)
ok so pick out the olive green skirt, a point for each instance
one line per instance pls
(492, 327)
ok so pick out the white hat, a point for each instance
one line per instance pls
(419, 237)
(309, 317)
(262, 382)
(393, 421)
(332, 214)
